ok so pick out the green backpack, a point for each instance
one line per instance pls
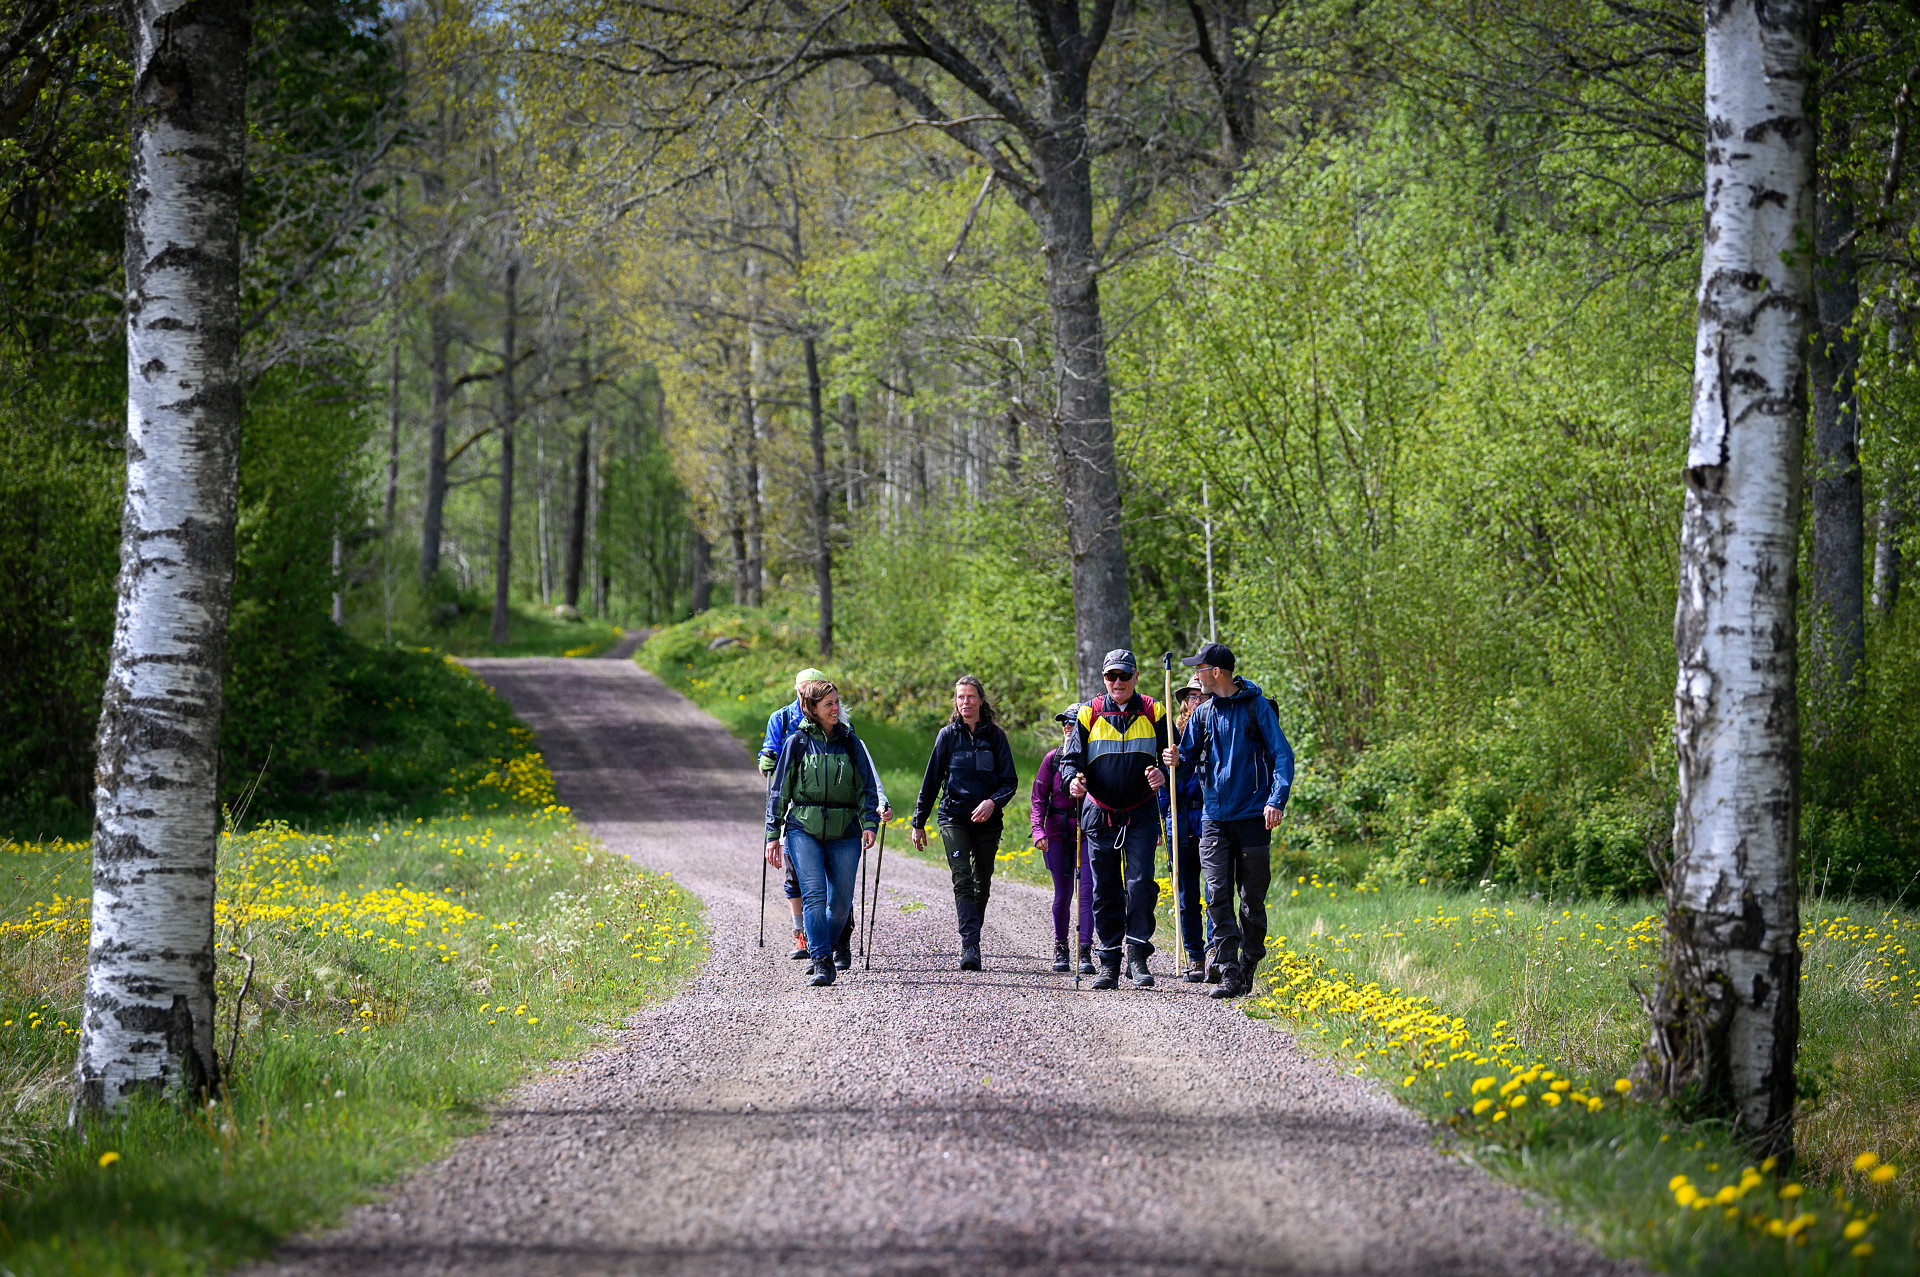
(825, 797)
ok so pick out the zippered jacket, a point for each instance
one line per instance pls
(1056, 813)
(823, 785)
(971, 766)
(1113, 750)
(785, 721)
(1244, 760)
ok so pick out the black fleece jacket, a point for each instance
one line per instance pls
(972, 765)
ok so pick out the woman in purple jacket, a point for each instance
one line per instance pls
(1056, 829)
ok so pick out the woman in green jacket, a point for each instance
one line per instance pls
(822, 811)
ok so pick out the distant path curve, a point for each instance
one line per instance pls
(911, 1120)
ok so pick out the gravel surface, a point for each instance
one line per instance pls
(911, 1119)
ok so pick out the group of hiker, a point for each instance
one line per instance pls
(1101, 806)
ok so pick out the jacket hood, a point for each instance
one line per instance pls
(1245, 687)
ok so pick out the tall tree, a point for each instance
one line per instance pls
(148, 1018)
(1726, 1014)
(509, 419)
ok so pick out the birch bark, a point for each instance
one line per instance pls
(1726, 1013)
(147, 1023)
(509, 418)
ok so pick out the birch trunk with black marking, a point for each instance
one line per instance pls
(439, 406)
(822, 496)
(147, 1023)
(1725, 1017)
(509, 417)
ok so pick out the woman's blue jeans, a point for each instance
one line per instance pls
(826, 871)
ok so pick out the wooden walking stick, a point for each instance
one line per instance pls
(879, 863)
(1173, 819)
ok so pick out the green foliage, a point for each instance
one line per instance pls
(60, 481)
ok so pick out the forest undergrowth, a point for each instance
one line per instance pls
(380, 981)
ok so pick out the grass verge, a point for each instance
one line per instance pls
(386, 980)
(1511, 1022)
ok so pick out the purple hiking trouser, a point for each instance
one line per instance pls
(1060, 864)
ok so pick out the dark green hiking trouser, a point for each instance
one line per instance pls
(970, 852)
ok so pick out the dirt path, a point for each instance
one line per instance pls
(914, 1119)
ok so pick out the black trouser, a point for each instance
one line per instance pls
(970, 852)
(1124, 895)
(1235, 854)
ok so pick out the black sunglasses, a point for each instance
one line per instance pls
(1113, 677)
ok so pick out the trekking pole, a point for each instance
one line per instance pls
(860, 925)
(1074, 907)
(879, 863)
(763, 897)
(1173, 821)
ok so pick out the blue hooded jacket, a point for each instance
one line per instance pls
(1228, 737)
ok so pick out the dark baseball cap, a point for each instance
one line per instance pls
(1119, 659)
(1069, 714)
(1217, 655)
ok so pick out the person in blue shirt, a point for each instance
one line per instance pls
(782, 723)
(1246, 773)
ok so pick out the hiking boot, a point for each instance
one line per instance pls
(1060, 962)
(1196, 972)
(970, 957)
(1137, 970)
(823, 973)
(1086, 959)
(1230, 985)
(1109, 977)
(843, 956)
(799, 946)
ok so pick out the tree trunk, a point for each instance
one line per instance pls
(577, 528)
(439, 402)
(822, 498)
(391, 508)
(756, 535)
(509, 411)
(147, 1023)
(702, 573)
(1089, 468)
(855, 463)
(1726, 1013)
(1838, 594)
(1895, 502)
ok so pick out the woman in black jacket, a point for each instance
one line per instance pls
(973, 761)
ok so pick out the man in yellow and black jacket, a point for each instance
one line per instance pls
(1111, 764)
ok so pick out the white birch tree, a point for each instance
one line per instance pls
(1726, 1014)
(147, 1024)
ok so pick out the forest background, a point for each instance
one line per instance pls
(551, 311)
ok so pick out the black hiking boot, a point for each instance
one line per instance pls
(1109, 977)
(1196, 972)
(1060, 962)
(843, 956)
(1137, 969)
(823, 973)
(969, 957)
(1232, 984)
(1086, 959)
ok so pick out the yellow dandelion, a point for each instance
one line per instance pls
(109, 1157)
(1866, 1161)
(1883, 1173)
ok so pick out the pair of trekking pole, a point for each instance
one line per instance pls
(866, 918)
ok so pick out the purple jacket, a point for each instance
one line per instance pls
(1056, 813)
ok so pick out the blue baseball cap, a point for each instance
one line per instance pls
(1119, 659)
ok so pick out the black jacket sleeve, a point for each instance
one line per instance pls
(780, 789)
(936, 775)
(1004, 771)
(1073, 755)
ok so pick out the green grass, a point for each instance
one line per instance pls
(531, 631)
(406, 973)
(1551, 981)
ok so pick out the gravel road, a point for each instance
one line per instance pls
(913, 1119)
